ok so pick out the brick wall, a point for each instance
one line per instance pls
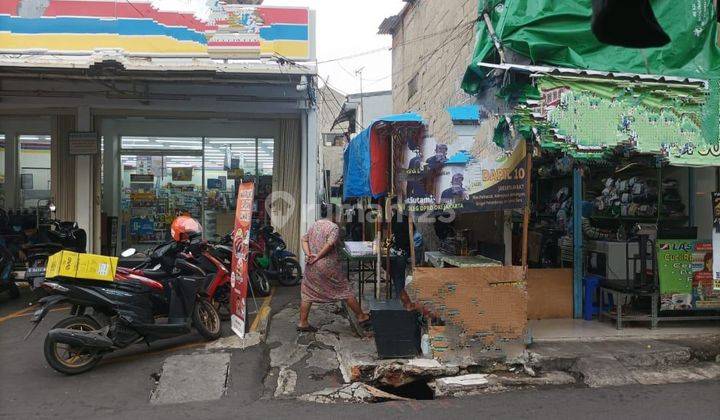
(434, 45)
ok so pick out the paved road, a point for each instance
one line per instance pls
(120, 388)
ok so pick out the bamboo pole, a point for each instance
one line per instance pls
(526, 214)
(411, 229)
(378, 264)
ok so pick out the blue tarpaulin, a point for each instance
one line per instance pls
(356, 174)
(356, 169)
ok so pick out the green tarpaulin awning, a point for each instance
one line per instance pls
(557, 32)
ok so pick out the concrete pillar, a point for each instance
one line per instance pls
(111, 176)
(12, 165)
(84, 184)
(308, 168)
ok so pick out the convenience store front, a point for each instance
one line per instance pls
(198, 175)
(122, 135)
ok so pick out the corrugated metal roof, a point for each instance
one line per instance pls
(564, 71)
(388, 26)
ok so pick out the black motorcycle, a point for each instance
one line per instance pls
(109, 316)
(282, 264)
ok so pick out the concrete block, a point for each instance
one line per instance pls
(192, 378)
(286, 383)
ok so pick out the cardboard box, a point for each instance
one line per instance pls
(96, 267)
(81, 266)
(62, 264)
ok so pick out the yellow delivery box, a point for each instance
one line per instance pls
(81, 266)
(62, 264)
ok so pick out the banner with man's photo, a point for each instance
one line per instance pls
(462, 177)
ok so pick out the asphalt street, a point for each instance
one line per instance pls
(121, 386)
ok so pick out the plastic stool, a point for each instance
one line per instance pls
(591, 283)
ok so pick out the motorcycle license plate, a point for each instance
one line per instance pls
(34, 270)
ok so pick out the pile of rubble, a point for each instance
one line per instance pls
(334, 364)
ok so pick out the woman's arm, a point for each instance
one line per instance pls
(309, 256)
(325, 250)
(332, 241)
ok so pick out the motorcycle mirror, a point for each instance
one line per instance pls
(128, 253)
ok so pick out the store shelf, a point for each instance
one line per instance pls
(630, 219)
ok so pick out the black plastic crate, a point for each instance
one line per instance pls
(397, 333)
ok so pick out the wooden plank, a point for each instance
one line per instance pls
(550, 293)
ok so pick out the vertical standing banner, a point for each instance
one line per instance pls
(241, 246)
(716, 241)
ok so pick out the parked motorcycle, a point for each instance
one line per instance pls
(112, 316)
(277, 262)
(259, 282)
(7, 282)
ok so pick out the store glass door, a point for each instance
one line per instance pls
(161, 179)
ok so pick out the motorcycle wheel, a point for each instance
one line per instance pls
(221, 302)
(260, 283)
(290, 272)
(67, 359)
(206, 320)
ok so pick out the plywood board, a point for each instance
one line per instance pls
(484, 303)
(550, 293)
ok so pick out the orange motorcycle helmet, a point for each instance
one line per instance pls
(184, 227)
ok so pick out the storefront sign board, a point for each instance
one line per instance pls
(686, 276)
(716, 241)
(84, 143)
(241, 245)
(213, 29)
(466, 180)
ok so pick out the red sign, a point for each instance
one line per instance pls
(241, 247)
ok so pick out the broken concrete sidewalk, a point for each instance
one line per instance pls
(320, 366)
(474, 384)
(617, 363)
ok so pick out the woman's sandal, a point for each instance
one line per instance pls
(308, 329)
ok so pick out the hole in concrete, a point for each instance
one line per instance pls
(418, 390)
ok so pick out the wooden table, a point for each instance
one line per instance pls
(440, 260)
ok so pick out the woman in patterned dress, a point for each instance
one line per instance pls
(324, 280)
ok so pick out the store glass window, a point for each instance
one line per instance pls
(228, 161)
(34, 170)
(161, 178)
(266, 156)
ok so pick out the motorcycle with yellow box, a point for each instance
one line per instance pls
(110, 314)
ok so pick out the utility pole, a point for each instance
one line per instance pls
(359, 73)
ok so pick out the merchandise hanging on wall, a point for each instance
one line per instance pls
(241, 245)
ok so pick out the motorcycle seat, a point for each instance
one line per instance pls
(155, 274)
(47, 247)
